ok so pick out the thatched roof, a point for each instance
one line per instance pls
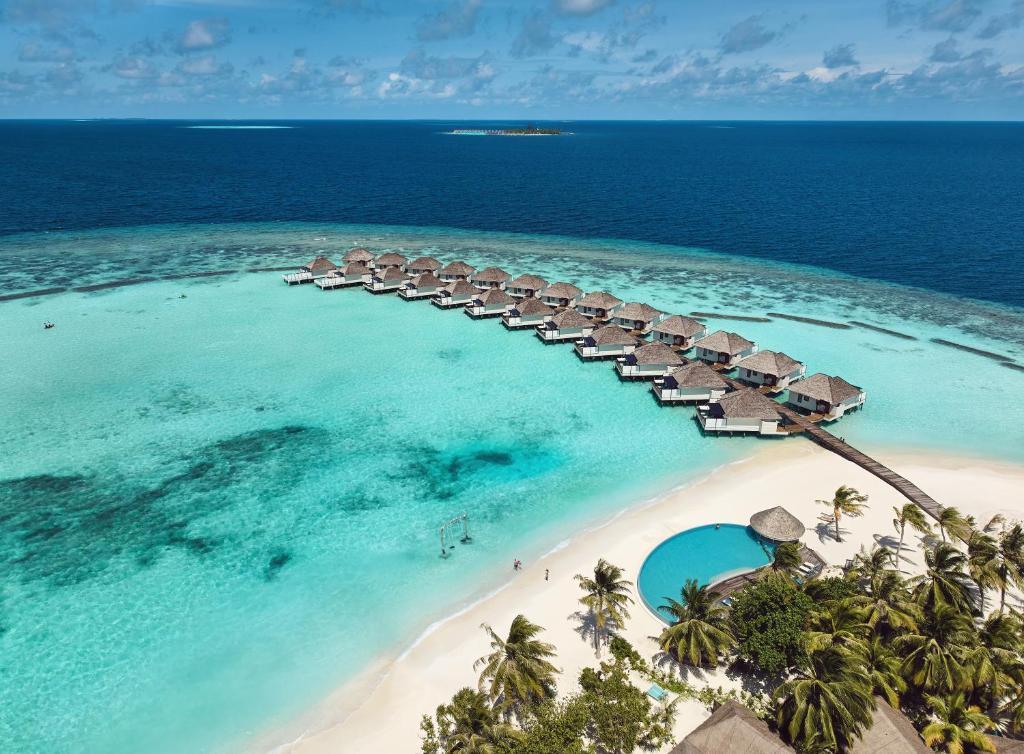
(355, 269)
(732, 729)
(390, 259)
(571, 318)
(458, 268)
(358, 254)
(426, 280)
(491, 275)
(697, 374)
(392, 273)
(460, 288)
(425, 263)
(679, 325)
(777, 524)
(532, 282)
(749, 404)
(890, 733)
(494, 296)
(561, 290)
(771, 362)
(637, 311)
(533, 306)
(724, 342)
(611, 335)
(822, 387)
(321, 264)
(600, 300)
(657, 353)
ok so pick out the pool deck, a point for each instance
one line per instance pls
(731, 584)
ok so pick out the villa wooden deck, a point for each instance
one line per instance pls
(808, 557)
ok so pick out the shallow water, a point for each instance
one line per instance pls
(216, 507)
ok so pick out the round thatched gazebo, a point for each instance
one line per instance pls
(777, 524)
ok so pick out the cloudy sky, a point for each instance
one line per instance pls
(676, 59)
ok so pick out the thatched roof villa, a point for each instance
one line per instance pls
(358, 254)
(490, 303)
(690, 383)
(459, 293)
(386, 280)
(423, 264)
(526, 286)
(822, 394)
(320, 267)
(598, 304)
(745, 410)
(456, 271)
(721, 347)
(568, 325)
(679, 331)
(529, 312)
(773, 369)
(560, 295)
(635, 316)
(421, 286)
(648, 361)
(492, 277)
(390, 259)
(606, 343)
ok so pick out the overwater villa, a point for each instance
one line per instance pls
(772, 369)
(423, 264)
(358, 254)
(492, 303)
(307, 273)
(354, 273)
(831, 397)
(492, 277)
(598, 305)
(526, 286)
(678, 331)
(459, 293)
(331, 281)
(390, 259)
(568, 325)
(560, 295)
(421, 286)
(635, 316)
(648, 361)
(691, 383)
(722, 347)
(606, 343)
(456, 271)
(745, 410)
(387, 280)
(528, 312)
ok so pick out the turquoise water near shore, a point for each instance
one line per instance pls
(213, 509)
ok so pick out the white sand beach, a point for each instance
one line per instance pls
(381, 711)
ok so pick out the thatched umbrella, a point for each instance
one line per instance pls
(777, 524)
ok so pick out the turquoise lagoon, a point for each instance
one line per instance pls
(219, 497)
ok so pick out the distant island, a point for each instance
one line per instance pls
(527, 131)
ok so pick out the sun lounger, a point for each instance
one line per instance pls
(657, 693)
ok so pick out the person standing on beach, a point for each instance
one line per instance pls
(547, 574)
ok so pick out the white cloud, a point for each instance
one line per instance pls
(205, 34)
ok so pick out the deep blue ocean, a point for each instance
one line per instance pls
(934, 205)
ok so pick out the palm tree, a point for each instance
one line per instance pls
(867, 564)
(910, 514)
(787, 557)
(826, 703)
(839, 624)
(884, 672)
(469, 724)
(606, 596)
(944, 581)
(983, 563)
(1010, 567)
(888, 605)
(700, 632)
(846, 501)
(517, 673)
(932, 658)
(957, 727)
(951, 521)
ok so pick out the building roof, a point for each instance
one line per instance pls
(458, 268)
(777, 524)
(749, 404)
(697, 374)
(891, 732)
(724, 342)
(571, 318)
(611, 335)
(732, 729)
(679, 325)
(822, 387)
(561, 290)
(657, 353)
(391, 259)
(491, 275)
(637, 311)
(358, 254)
(533, 306)
(495, 296)
(355, 268)
(321, 264)
(771, 362)
(426, 280)
(529, 281)
(460, 288)
(425, 263)
(392, 273)
(600, 300)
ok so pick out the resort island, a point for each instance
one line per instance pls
(529, 130)
(811, 599)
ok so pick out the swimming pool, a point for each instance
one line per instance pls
(705, 553)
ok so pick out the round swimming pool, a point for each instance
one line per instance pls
(705, 553)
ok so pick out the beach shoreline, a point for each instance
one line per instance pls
(380, 708)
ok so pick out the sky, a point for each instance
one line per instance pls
(505, 59)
